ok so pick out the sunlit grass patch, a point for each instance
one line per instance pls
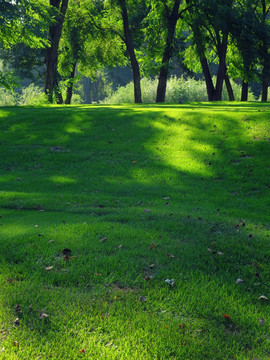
(141, 232)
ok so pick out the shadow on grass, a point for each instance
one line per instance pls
(184, 180)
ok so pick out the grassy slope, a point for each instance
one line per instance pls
(96, 172)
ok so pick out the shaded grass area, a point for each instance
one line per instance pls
(140, 194)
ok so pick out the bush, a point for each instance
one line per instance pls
(32, 95)
(7, 98)
(177, 89)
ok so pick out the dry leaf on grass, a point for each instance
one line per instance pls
(48, 268)
(170, 282)
(239, 281)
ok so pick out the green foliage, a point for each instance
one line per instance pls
(7, 97)
(32, 95)
(177, 89)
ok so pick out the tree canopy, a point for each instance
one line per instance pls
(228, 39)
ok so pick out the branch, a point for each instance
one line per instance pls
(107, 29)
(180, 15)
(166, 8)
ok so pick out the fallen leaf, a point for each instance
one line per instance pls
(115, 298)
(170, 255)
(48, 268)
(147, 278)
(170, 282)
(143, 298)
(66, 252)
(11, 281)
(18, 308)
(98, 274)
(44, 316)
(180, 326)
(134, 162)
(166, 326)
(226, 316)
(82, 350)
(239, 281)
(152, 245)
(15, 343)
(17, 322)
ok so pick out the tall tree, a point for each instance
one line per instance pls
(262, 10)
(59, 8)
(125, 18)
(84, 46)
(211, 23)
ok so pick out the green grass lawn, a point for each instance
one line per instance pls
(139, 194)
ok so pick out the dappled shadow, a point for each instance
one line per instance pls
(180, 176)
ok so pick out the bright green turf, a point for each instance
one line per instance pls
(88, 172)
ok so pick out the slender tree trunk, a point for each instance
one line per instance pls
(70, 85)
(229, 88)
(244, 93)
(130, 49)
(167, 54)
(265, 72)
(208, 78)
(265, 82)
(55, 32)
(222, 51)
(87, 90)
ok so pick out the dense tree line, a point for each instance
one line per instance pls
(84, 36)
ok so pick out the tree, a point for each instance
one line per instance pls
(125, 18)
(85, 47)
(58, 11)
(212, 23)
(22, 22)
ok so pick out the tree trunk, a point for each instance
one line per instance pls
(265, 82)
(70, 85)
(55, 31)
(131, 52)
(167, 54)
(222, 51)
(229, 88)
(244, 93)
(208, 78)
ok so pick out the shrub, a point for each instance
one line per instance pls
(32, 95)
(177, 89)
(7, 98)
